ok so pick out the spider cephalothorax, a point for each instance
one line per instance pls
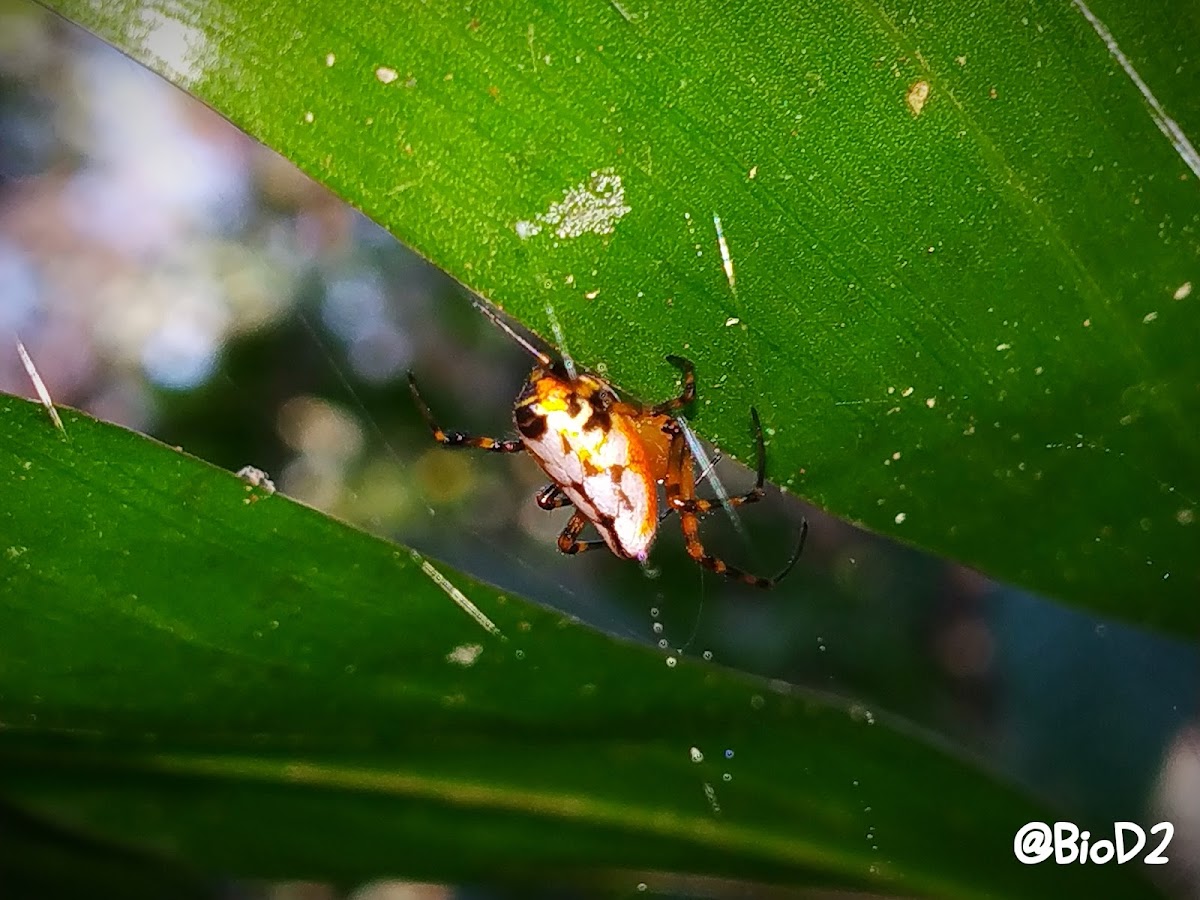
(607, 456)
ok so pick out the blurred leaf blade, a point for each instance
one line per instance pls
(41, 861)
(238, 683)
(955, 236)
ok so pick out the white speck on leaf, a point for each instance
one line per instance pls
(330, 59)
(900, 517)
(464, 654)
(1183, 291)
(386, 74)
(526, 230)
(1149, 317)
(1003, 347)
(177, 48)
(731, 321)
(593, 206)
(256, 477)
(917, 96)
(860, 713)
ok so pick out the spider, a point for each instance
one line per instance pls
(606, 457)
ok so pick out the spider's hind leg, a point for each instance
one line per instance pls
(695, 549)
(552, 497)
(700, 505)
(568, 541)
(681, 498)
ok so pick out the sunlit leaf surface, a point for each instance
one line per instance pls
(948, 249)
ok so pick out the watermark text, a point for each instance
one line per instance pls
(1065, 843)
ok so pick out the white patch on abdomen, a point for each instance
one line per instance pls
(630, 501)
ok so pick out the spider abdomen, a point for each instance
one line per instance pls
(593, 451)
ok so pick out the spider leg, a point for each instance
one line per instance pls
(552, 497)
(568, 541)
(701, 505)
(686, 396)
(681, 498)
(455, 439)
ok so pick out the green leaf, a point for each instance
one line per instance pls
(37, 860)
(961, 238)
(228, 678)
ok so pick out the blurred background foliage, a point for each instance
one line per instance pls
(169, 274)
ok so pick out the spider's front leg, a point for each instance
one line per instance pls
(687, 396)
(455, 439)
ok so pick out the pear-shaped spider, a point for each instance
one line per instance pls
(606, 457)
